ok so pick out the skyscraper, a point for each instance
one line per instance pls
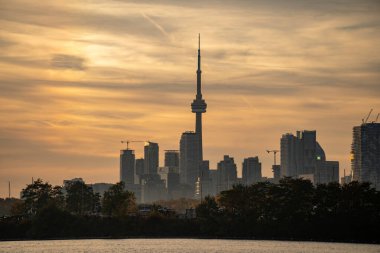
(302, 156)
(150, 158)
(189, 158)
(251, 170)
(139, 167)
(308, 145)
(289, 155)
(227, 174)
(171, 158)
(365, 160)
(127, 166)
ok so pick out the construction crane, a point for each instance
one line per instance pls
(369, 114)
(128, 141)
(274, 154)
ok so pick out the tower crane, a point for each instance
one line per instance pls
(369, 114)
(274, 154)
(128, 141)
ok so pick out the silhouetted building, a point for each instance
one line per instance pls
(308, 141)
(251, 170)
(328, 173)
(289, 155)
(303, 157)
(203, 184)
(213, 182)
(227, 174)
(139, 166)
(171, 158)
(189, 159)
(150, 158)
(127, 166)
(152, 188)
(365, 160)
(173, 184)
(276, 173)
(163, 173)
(101, 187)
(346, 179)
(298, 153)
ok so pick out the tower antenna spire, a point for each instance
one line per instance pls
(199, 41)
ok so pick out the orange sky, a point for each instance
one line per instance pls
(76, 77)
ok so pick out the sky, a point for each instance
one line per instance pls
(77, 77)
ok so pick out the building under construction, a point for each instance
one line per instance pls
(365, 153)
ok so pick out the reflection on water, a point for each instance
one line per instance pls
(183, 246)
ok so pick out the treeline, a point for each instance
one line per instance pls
(75, 211)
(294, 209)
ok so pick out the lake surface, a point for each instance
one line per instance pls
(183, 246)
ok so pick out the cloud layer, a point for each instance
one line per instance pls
(77, 77)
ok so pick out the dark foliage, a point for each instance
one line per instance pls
(118, 202)
(81, 199)
(293, 209)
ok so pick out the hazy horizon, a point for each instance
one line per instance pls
(76, 78)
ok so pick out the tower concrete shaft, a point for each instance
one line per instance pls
(199, 105)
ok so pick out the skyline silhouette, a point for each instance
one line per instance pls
(76, 79)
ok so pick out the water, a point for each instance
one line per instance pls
(183, 246)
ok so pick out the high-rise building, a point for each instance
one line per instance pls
(303, 157)
(308, 141)
(251, 170)
(327, 173)
(172, 159)
(139, 167)
(152, 188)
(127, 166)
(189, 158)
(365, 151)
(227, 174)
(203, 184)
(150, 158)
(289, 155)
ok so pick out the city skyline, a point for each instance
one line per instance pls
(72, 90)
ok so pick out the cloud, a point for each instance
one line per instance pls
(76, 77)
(62, 61)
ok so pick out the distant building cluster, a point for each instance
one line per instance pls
(186, 174)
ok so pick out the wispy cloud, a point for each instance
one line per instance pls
(62, 61)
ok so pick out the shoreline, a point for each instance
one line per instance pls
(187, 238)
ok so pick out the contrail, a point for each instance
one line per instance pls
(158, 26)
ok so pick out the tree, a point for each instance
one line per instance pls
(39, 194)
(80, 198)
(208, 215)
(118, 202)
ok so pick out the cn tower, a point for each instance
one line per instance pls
(199, 105)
